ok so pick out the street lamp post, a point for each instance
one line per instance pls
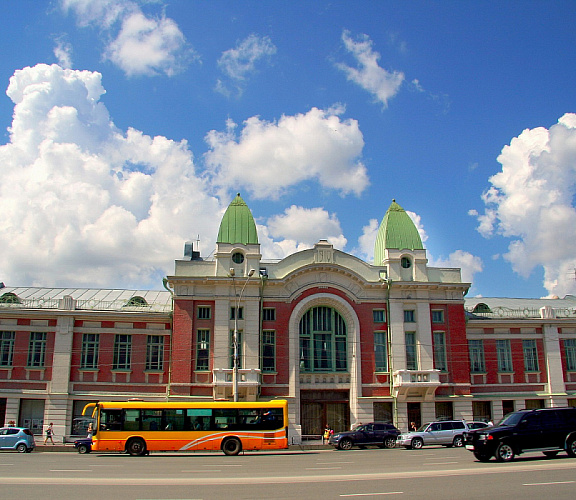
(237, 299)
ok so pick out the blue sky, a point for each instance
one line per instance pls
(128, 127)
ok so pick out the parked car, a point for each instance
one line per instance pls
(20, 439)
(443, 432)
(83, 445)
(375, 433)
(549, 430)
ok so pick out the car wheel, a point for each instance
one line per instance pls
(136, 447)
(390, 442)
(83, 448)
(231, 447)
(504, 453)
(417, 444)
(345, 444)
(21, 448)
(458, 442)
(550, 454)
(482, 457)
(571, 447)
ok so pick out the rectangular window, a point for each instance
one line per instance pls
(409, 316)
(504, 355)
(476, 348)
(89, 356)
(155, 352)
(37, 349)
(411, 355)
(530, 355)
(268, 351)
(233, 313)
(203, 350)
(204, 312)
(379, 315)
(269, 314)
(122, 352)
(7, 348)
(570, 349)
(440, 351)
(380, 352)
(438, 316)
(240, 348)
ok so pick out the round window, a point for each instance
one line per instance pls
(405, 262)
(238, 258)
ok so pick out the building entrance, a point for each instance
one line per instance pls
(318, 408)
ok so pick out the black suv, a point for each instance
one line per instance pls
(549, 430)
(376, 433)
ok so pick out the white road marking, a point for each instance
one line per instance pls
(546, 484)
(373, 494)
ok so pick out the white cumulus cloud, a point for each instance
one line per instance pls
(266, 158)
(85, 203)
(468, 263)
(240, 62)
(137, 43)
(531, 201)
(382, 84)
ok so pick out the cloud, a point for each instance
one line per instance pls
(266, 158)
(468, 263)
(63, 52)
(240, 63)
(531, 201)
(382, 84)
(86, 204)
(138, 44)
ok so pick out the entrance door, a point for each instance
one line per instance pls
(321, 408)
(414, 415)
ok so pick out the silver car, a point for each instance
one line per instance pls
(20, 439)
(445, 433)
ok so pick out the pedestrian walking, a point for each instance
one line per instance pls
(326, 435)
(49, 434)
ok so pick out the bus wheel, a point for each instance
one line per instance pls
(231, 446)
(136, 447)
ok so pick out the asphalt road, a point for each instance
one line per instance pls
(443, 473)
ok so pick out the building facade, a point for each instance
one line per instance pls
(344, 341)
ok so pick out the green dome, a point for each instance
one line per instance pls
(238, 225)
(396, 231)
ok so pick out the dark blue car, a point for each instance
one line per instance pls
(83, 445)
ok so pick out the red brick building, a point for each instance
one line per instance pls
(341, 339)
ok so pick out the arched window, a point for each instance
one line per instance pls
(481, 308)
(10, 298)
(136, 301)
(323, 346)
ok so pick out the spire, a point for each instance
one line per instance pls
(396, 231)
(238, 225)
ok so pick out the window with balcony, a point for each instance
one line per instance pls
(323, 341)
(7, 348)
(411, 352)
(155, 352)
(90, 347)
(37, 349)
(504, 355)
(476, 349)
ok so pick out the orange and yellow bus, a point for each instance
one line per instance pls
(138, 427)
